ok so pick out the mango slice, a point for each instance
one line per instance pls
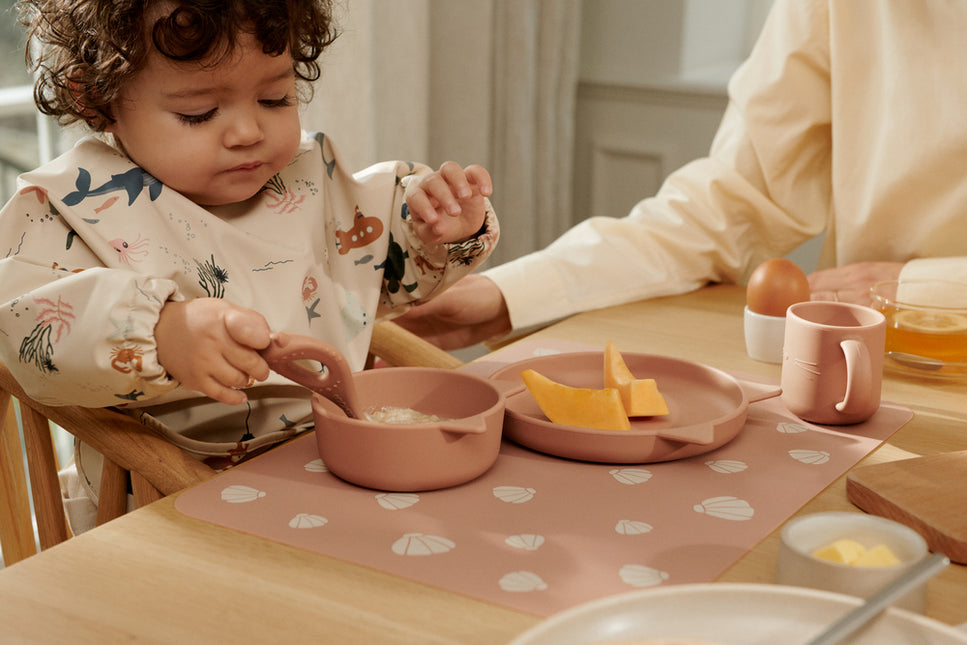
(640, 397)
(577, 406)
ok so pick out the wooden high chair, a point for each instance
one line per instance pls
(155, 467)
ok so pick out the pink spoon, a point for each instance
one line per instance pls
(334, 381)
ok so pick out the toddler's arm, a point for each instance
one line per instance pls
(418, 247)
(73, 332)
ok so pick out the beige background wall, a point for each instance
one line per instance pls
(577, 107)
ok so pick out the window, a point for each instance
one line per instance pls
(20, 144)
(26, 138)
(12, 37)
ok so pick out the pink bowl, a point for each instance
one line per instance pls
(419, 456)
(396, 457)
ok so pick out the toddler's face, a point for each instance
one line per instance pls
(215, 134)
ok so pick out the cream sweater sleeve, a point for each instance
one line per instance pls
(951, 268)
(763, 190)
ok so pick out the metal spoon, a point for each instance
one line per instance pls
(918, 574)
(918, 362)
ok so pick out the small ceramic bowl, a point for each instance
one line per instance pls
(802, 535)
(764, 336)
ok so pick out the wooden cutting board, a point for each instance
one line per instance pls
(928, 494)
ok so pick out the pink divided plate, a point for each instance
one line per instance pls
(707, 409)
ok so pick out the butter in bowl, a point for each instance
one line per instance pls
(850, 553)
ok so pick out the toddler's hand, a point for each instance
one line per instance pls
(211, 346)
(448, 205)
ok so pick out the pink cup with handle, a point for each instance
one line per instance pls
(832, 362)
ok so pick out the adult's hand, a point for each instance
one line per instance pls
(469, 312)
(851, 283)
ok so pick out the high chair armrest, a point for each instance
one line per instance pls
(402, 348)
(122, 439)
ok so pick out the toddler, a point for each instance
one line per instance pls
(147, 266)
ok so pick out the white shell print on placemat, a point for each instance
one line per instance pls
(726, 508)
(787, 427)
(316, 466)
(514, 494)
(815, 457)
(397, 501)
(422, 544)
(239, 494)
(632, 527)
(526, 541)
(631, 476)
(638, 575)
(307, 521)
(727, 466)
(522, 581)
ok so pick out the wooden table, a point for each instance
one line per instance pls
(158, 576)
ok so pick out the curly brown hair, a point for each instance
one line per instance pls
(88, 49)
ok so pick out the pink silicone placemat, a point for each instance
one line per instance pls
(539, 534)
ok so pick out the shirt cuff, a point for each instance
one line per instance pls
(949, 268)
(942, 272)
(533, 291)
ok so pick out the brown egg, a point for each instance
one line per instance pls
(774, 285)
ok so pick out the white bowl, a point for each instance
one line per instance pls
(734, 613)
(802, 535)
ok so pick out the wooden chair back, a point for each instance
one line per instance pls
(155, 467)
(399, 347)
(132, 453)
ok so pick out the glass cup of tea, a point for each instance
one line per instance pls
(926, 325)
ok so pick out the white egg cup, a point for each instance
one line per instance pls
(764, 336)
(802, 535)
